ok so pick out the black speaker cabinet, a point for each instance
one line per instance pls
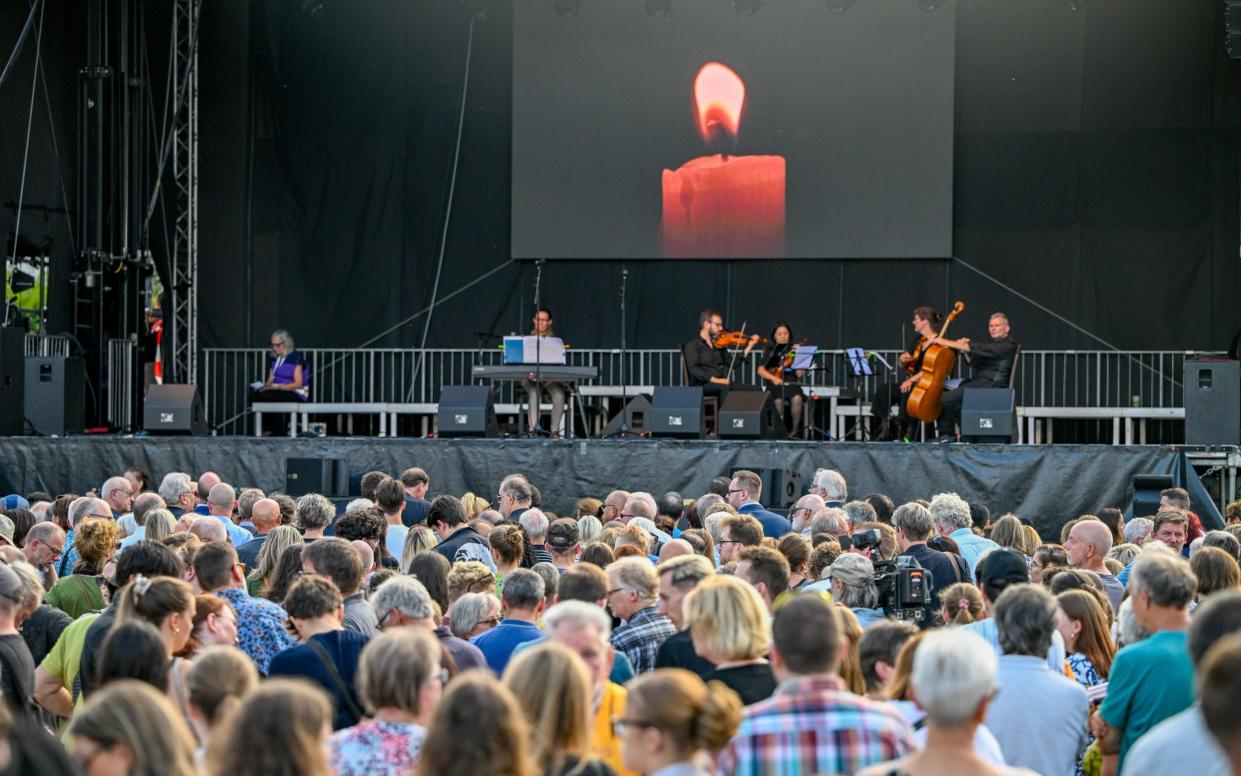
(12, 381)
(1146, 490)
(174, 409)
(636, 415)
(325, 476)
(467, 411)
(988, 414)
(750, 415)
(1212, 402)
(676, 411)
(55, 395)
(781, 487)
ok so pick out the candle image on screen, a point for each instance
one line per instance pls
(723, 205)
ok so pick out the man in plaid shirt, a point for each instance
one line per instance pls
(633, 589)
(812, 725)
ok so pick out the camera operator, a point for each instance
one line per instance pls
(914, 525)
(853, 585)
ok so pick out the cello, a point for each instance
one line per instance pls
(937, 363)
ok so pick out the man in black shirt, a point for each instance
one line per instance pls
(914, 525)
(993, 364)
(705, 364)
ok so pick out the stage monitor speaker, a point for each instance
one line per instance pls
(55, 395)
(1212, 402)
(12, 380)
(467, 411)
(1146, 489)
(325, 476)
(636, 415)
(174, 409)
(781, 487)
(750, 415)
(676, 411)
(988, 414)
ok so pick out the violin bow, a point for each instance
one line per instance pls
(733, 361)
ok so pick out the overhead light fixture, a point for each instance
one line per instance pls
(840, 6)
(566, 7)
(657, 8)
(747, 7)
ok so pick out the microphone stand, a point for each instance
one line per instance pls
(623, 431)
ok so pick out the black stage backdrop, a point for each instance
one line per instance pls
(1095, 167)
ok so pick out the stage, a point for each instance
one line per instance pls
(1047, 483)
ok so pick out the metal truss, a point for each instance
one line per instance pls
(183, 295)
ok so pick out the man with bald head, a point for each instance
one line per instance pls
(144, 503)
(805, 509)
(613, 505)
(1087, 546)
(119, 494)
(221, 501)
(674, 548)
(265, 514)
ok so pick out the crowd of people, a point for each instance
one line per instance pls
(192, 627)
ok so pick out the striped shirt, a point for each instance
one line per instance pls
(813, 725)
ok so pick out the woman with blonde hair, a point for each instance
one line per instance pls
(128, 727)
(1008, 532)
(473, 505)
(670, 716)
(219, 681)
(588, 528)
(95, 540)
(280, 729)
(476, 701)
(850, 668)
(419, 539)
(553, 688)
(728, 623)
(278, 539)
(159, 525)
(1033, 540)
(508, 547)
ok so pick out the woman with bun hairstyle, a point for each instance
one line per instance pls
(671, 716)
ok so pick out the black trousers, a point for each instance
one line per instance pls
(886, 395)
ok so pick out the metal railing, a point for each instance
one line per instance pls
(1045, 378)
(50, 346)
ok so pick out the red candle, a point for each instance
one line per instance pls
(723, 206)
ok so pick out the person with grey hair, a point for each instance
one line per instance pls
(246, 500)
(1027, 616)
(613, 505)
(804, 511)
(288, 374)
(1138, 530)
(221, 501)
(853, 585)
(1153, 679)
(830, 520)
(144, 504)
(313, 514)
(636, 506)
(523, 602)
(474, 613)
(209, 529)
(830, 485)
(914, 526)
(514, 496)
(177, 491)
(952, 519)
(535, 523)
(17, 674)
(1224, 541)
(633, 589)
(860, 512)
(119, 494)
(403, 601)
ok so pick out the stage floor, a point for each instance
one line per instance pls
(1048, 484)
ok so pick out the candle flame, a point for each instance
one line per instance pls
(719, 95)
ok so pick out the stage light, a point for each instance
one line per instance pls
(658, 8)
(747, 7)
(930, 5)
(840, 6)
(566, 7)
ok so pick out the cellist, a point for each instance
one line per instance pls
(993, 365)
(926, 322)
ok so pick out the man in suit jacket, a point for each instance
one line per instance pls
(744, 493)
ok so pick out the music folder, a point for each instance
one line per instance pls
(529, 350)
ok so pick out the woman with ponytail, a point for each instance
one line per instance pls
(962, 604)
(168, 604)
(219, 681)
(671, 717)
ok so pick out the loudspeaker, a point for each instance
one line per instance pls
(174, 409)
(1146, 489)
(1212, 402)
(12, 380)
(325, 476)
(750, 415)
(467, 411)
(636, 415)
(988, 414)
(781, 487)
(1232, 28)
(55, 395)
(677, 412)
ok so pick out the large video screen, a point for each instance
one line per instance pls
(732, 128)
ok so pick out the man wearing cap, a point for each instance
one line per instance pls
(14, 501)
(997, 570)
(564, 543)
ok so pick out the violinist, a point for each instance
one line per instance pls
(926, 322)
(777, 372)
(993, 366)
(705, 363)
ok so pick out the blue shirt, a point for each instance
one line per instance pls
(237, 535)
(1026, 683)
(344, 648)
(498, 643)
(972, 547)
(260, 626)
(138, 535)
(1149, 682)
(773, 525)
(69, 557)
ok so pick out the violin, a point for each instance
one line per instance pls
(937, 363)
(736, 339)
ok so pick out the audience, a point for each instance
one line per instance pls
(633, 590)
(672, 718)
(728, 622)
(522, 604)
(279, 729)
(475, 701)
(129, 727)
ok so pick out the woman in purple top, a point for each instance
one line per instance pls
(288, 375)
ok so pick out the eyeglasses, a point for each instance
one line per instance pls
(444, 676)
(619, 724)
(722, 542)
(617, 590)
(628, 515)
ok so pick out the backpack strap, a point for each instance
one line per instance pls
(342, 688)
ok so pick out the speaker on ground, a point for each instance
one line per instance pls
(467, 411)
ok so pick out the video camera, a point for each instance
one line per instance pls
(904, 586)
